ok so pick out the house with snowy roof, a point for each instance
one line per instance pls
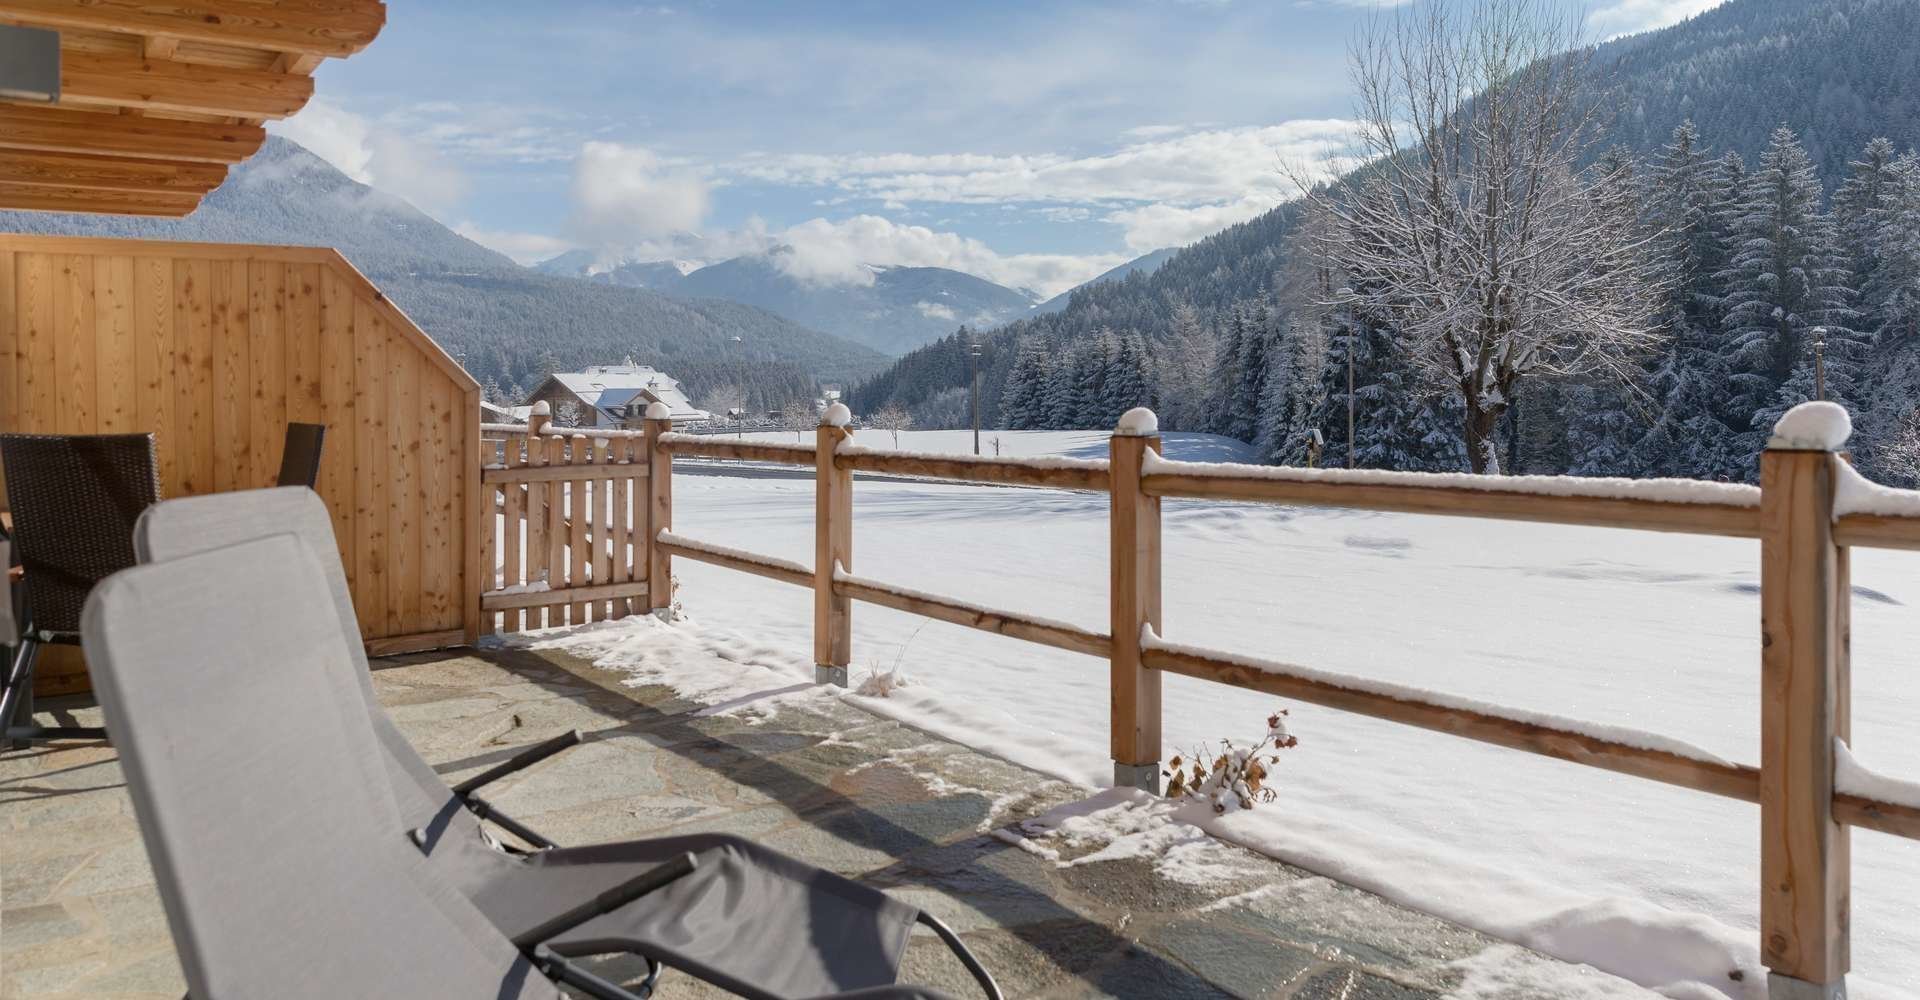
(614, 396)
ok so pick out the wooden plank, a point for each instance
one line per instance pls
(1003, 471)
(76, 345)
(267, 366)
(783, 570)
(129, 81)
(580, 520)
(832, 551)
(301, 347)
(115, 363)
(153, 336)
(1596, 512)
(534, 552)
(602, 526)
(556, 552)
(337, 410)
(1877, 531)
(1871, 814)
(1008, 623)
(60, 130)
(441, 559)
(659, 515)
(87, 172)
(747, 451)
(513, 526)
(370, 457)
(193, 374)
(37, 275)
(593, 592)
(535, 474)
(233, 378)
(418, 642)
(1804, 853)
(472, 509)
(404, 421)
(621, 506)
(335, 28)
(1134, 600)
(1736, 781)
(36, 198)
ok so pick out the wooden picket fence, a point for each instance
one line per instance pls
(573, 512)
(1805, 594)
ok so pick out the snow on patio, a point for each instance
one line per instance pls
(1652, 632)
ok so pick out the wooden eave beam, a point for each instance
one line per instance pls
(38, 198)
(319, 27)
(124, 81)
(108, 173)
(56, 130)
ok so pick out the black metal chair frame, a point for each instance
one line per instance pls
(300, 455)
(74, 500)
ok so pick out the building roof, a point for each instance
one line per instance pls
(138, 108)
(608, 388)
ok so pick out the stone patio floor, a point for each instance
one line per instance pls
(822, 780)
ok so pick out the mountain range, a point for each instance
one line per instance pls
(890, 309)
(1838, 72)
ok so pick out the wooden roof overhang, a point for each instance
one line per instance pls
(157, 99)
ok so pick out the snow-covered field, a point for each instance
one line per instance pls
(1653, 632)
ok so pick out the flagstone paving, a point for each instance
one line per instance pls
(872, 799)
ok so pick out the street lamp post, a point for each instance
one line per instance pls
(973, 361)
(1819, 362)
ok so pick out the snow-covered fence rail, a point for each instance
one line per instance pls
(569, 539)
(1809, 508)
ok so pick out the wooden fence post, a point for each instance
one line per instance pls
(1804, 595)
(832, 546)
(1134, 591)
(656, 512)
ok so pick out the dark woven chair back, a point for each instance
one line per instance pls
(74, 500)
(300, 458)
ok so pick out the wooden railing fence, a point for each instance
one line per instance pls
(573, 512)
(1805, 593)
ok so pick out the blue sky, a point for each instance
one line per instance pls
(1032, 144)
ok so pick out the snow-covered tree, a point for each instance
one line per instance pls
(1183, 369)
(1022, 401)
(1473, 231)
(1786, 278)
(893, 419)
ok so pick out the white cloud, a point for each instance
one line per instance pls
(627, 195)
(935, 310)
(1150, 227)
(838, 252)
(527, 248)
(396, 162)
(1627, 17)
(1204, 167)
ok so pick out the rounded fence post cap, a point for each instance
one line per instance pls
(542, 409)
(1815, 426)
(659, 411)
(837, 415)
(1137, 422)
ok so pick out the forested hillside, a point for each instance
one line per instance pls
(1759, 239)
(505, 322)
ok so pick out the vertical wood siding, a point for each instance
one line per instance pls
(214, 349)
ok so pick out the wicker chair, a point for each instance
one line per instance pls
(300, 456)
(74, 499)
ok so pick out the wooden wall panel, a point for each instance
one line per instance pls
(214, 348)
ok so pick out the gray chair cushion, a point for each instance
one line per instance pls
(261, 795)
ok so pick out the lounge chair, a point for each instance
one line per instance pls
(74, 499)
(260, 797)
(750, 920)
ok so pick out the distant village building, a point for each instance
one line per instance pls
(614, 396)
(494, 413)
